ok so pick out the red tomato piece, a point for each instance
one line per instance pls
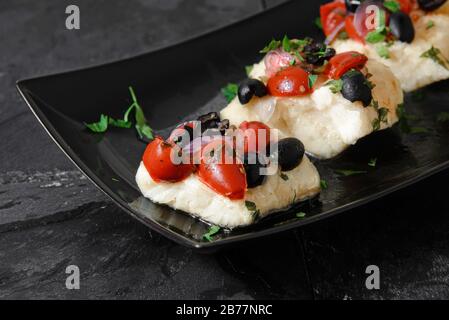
(351, 30)
(252, 131)
(158, 162)
(332, 14)
(225, 177)
(343, 62)
(289, 82)
(406, 6)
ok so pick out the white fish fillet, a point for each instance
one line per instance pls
(194, 197)
(405, 60)
(325, 122)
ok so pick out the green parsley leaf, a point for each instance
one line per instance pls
(323, 184)
(230, 91)
(392, 5)
(430, 24)
(284, 176)
(318, 23)
(251, 206)
(312, 80)
(375, 37)
(343, 35)
(248, 69)
(382, 51)
(142, 128)
(100, 126)
(273, 45)
(418, 130)
(286, 44)
(213, 230)
(347, 173)
(372, 162)
(443, 117)
(301, 215)
(335, 86)
(119, 123)
(436, 55)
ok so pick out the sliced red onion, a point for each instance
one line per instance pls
(275, 60)
(361, 16)
(331, 37)
(265, 109)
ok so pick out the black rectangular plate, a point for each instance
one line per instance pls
(183, 81)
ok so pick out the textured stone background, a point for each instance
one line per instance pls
(51, 216)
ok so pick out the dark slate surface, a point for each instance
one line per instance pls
(52, 217)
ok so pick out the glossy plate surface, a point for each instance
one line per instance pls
(183, 81)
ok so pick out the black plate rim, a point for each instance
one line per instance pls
(65, 148)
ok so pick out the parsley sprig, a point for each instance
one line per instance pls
(230, 91)
(435, 54)
(142, 127)
(213, 230)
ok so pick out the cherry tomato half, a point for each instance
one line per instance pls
(252, 132)
(332, 14)
(351, 30)
(343, 62)
(158, 162)
(226, 178)
(406, 5)
(289, 82)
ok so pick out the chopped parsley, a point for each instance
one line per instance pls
(301, 215)
(312, 80)
(142, 128)
(251, 206)
(286, 44)
(443, 117)
(436, 55)
(284, 176)
(100, 126)
(323, 184)
(430, 24)
(213, 230)
(273, 45)
(372, 162)
(382, 114)
(335, 86)
(392, 5)
(230, 91)
(417, 130)
(318, 23)
(248, 69)
(382, 51)
(347, 173)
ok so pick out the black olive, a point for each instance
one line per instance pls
(253, 168)
(317, 53)
(289, 152)
(352, 5)
(209, 121)
(430, 5)
(401, 27)
(184, 137)
(356, 87)
(250, 87)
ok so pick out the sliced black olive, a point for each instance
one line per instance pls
(289, 152)
(352, 5)
(317, 53)
(184, 137)
(253, 168)
(430, 5)
(356, 87)
(249, 88)
(209, 120)
(401, 27)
